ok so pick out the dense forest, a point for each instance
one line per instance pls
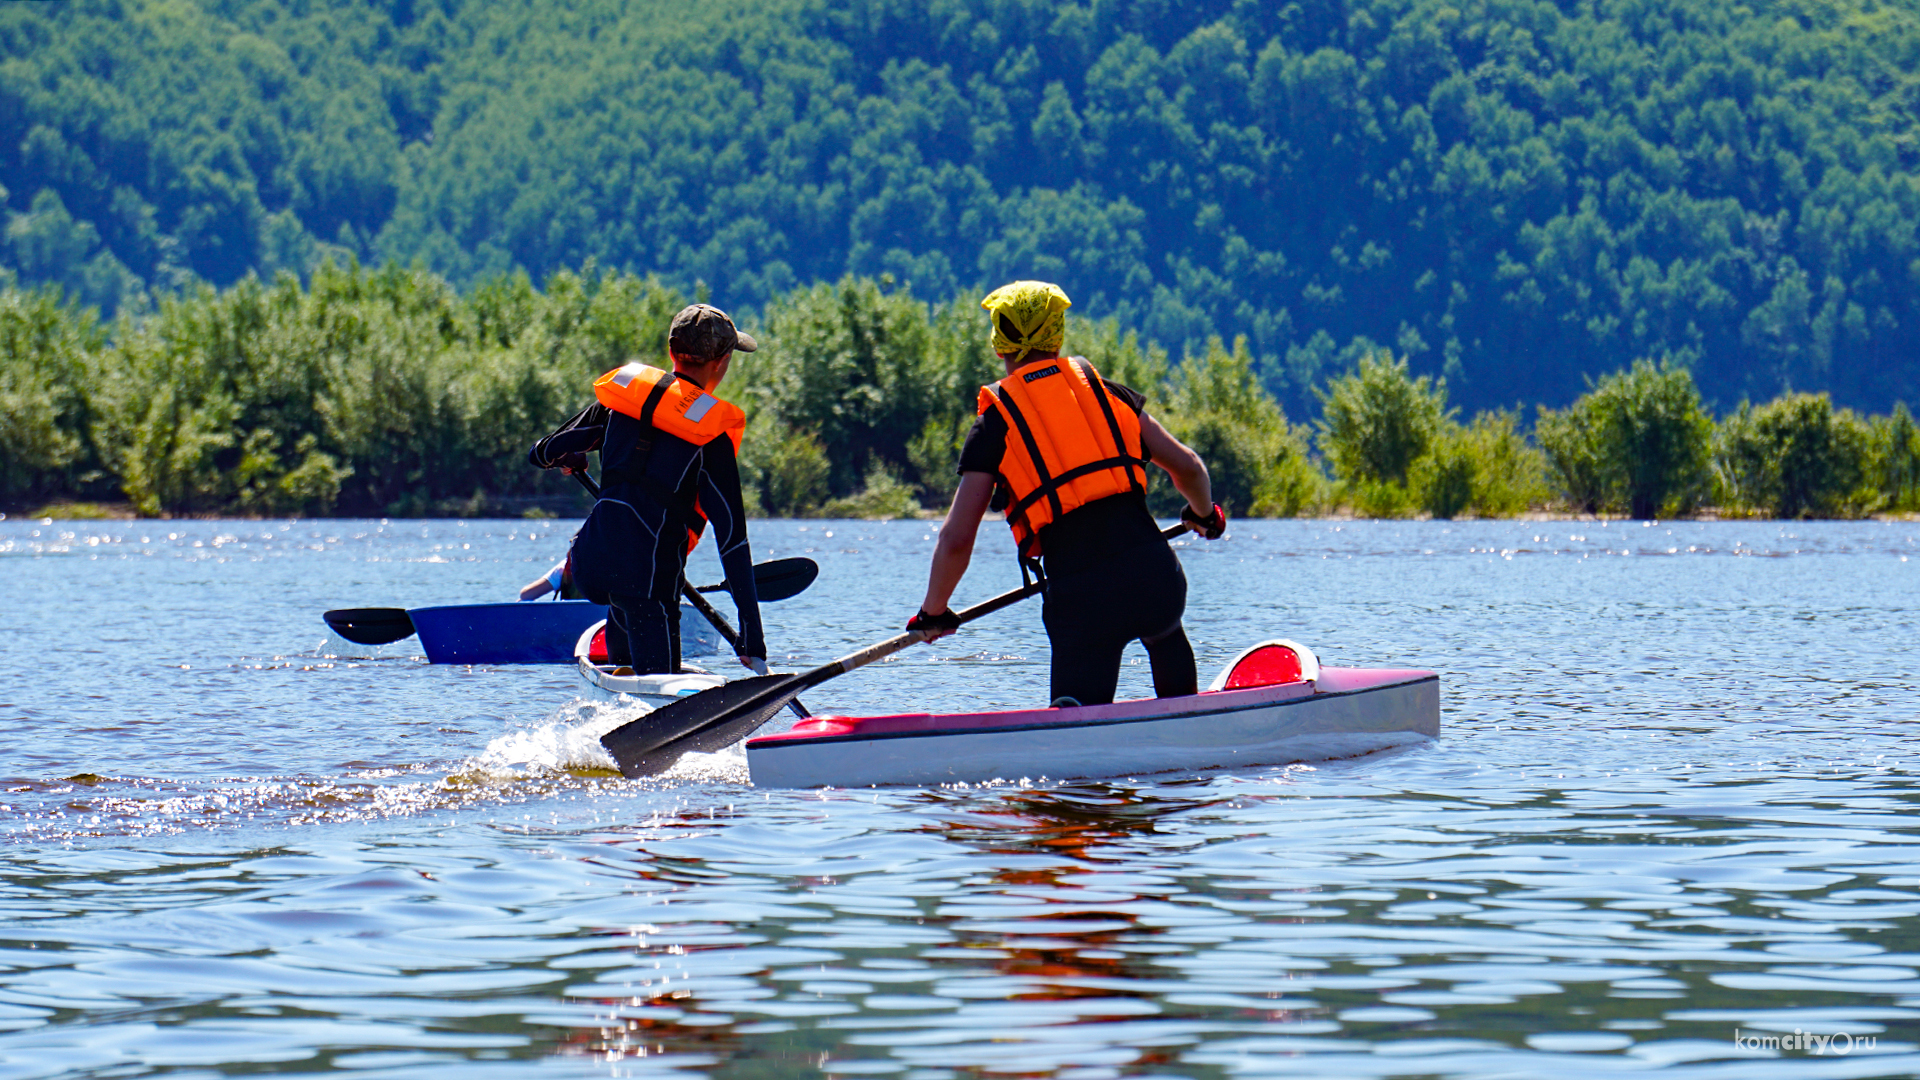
(1513, 195)
(388, 392)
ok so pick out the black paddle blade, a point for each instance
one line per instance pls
(651, 744)
(721, 734)
(370, 625)
(781, 578)
(778, 579)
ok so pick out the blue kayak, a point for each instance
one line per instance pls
(531, 632)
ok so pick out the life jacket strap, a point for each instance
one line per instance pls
(682, 510)
(654, 395)
(1135, 477)
(1030, 568)
(1048, 487)
(1039, 460)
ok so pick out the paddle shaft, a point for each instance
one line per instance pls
(884, 649)
(727, 631)
(726, 714)
(881, 650)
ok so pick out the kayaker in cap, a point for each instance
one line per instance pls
(669, 466)
(1067, 449)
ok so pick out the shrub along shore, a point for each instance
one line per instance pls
(387, 393)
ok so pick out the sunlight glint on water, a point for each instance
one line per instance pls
(1668, 821)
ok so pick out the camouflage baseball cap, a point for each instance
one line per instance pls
(705, 331)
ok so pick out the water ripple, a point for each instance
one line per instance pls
(1668, 821)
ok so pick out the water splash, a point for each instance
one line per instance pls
(567, 740)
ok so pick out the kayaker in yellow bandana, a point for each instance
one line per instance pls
(1069, 450)
(1029, 317)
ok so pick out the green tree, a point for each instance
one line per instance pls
(1797, 457)
(1638, 441)
(1510, 473)
(785, 471)
(1487, 468)
(44, 412)
(1378, 420)
(1258, 462)
(845, 364)
(959, 362)
(49, 246)
(1513, 190)
(1896, 454)
(884, 497)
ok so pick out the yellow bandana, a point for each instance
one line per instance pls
(1028, 317)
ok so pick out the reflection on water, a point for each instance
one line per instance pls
(1671, 802)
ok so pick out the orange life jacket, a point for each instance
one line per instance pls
(1068, 443)
(675, 406)
(669, 403)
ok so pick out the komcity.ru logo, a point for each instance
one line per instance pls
(1842, 1042)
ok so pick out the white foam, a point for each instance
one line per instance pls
(567, 740)
(724, 766)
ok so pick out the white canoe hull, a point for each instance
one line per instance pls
(1344, 713)
(650, 690)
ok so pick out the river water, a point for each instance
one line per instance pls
(1668, 827)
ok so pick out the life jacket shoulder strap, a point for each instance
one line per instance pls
(682, 508)
(652, 405)
(1136, 475)
(1049, 487)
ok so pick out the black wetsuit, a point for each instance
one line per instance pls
(632, 551)
(1111, 579)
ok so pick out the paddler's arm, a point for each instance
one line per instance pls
(577, 436)
(548, 582)
(953, 551)
(1182, 465)
(720, 499)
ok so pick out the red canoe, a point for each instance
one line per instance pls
(1272, 705)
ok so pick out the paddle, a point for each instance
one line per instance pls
(777, 579)
(719, 717)
(370, 625)
(727, 631)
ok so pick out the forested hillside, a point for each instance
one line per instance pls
(1515, 194)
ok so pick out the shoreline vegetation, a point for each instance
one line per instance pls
(387, 393)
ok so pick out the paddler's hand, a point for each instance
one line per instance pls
(1212, 526)
(575, 462)
(754, 664)
(935, 626)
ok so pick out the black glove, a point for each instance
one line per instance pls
(935, 626)
(1211, 526)
(576, 461)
